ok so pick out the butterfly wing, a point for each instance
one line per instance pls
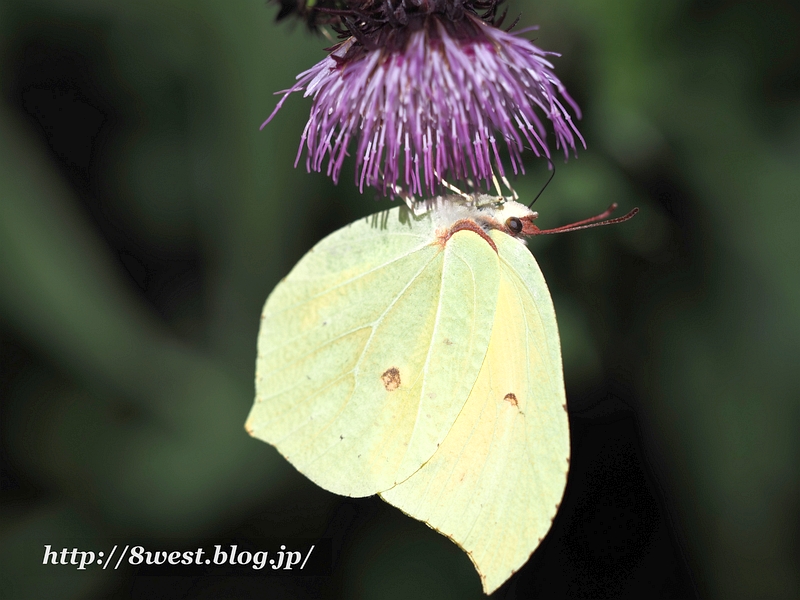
(369, 347)
(495, 483)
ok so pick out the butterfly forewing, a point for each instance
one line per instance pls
(368, 349)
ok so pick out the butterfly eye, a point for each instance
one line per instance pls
(514, 225)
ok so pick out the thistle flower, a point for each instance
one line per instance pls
(429, 89)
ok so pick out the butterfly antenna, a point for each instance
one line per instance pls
(596, 221)
(553, 174)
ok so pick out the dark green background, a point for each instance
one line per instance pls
(144, 219)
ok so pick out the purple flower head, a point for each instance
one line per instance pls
(429, 90)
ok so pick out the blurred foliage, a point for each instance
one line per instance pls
(144, 218)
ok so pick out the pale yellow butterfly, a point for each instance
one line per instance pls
(417, 357)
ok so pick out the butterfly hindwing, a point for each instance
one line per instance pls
(494, 484)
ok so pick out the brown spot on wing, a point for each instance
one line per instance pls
(391, 379)
(512, 398)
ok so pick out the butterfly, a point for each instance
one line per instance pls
(415, 355)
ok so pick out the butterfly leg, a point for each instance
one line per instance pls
(507, 183)
(409, 199)
(453, 188)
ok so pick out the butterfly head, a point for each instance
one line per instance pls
(512, 218)
(482, 213)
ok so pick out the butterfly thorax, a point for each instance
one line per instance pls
(481, 214)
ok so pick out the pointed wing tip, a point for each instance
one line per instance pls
(490, 584)
(491, 588)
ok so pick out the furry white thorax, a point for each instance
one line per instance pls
(489, 212)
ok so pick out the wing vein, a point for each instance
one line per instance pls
(351, 280)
